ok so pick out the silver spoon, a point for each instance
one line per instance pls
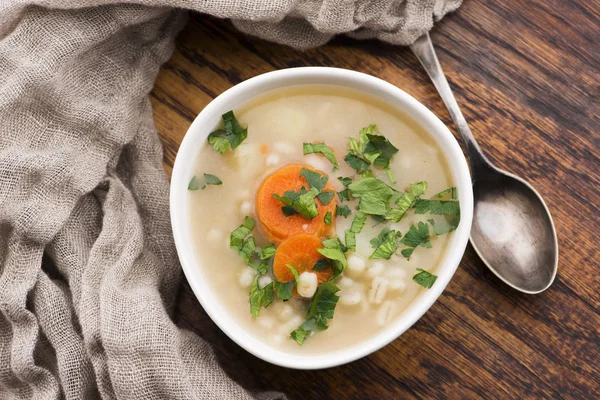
(512, 231)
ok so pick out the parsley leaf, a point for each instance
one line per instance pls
(267, 251)
(232, 134)
(357, 224)
(370, 149)
(314, 179)
(374, 195)
(357, 163)
(424, 278)
(345, 181)
(260, 297)
(376, 241)
(343, 211)
(444, 194)
(334, 250)
(322, 148)
(322, 308)
(446, 225)
(344, 195)
(416, 236)
(327, 218)
(294, 272)
(379, 145)
(193, 185)
(326, 196)
(387, 246)
(238, 235)
(406, 201)
(304, 203)
(437, 207)
(284, 290)
(288, 211)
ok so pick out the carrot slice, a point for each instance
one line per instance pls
(299, 251)
(276, 226)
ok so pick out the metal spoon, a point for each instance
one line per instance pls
(512, 231)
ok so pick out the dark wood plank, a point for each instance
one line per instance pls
(526, 75)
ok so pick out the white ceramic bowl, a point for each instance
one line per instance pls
(233, 98)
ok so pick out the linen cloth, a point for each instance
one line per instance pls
(88, 268)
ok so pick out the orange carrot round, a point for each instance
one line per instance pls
(299, 251)
(276, 226)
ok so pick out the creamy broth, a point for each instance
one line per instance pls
(283, 120)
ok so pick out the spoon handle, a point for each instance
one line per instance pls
(423, 49)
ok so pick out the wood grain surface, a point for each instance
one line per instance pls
(526, 73)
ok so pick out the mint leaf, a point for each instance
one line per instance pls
(322, 148)
(304, 203)
(416, 236)
(343, 211)
(424, 278)
(232, 134)
(386, 247)
(373, 194)
(326, 196)
(327, 218)
(193, 185)
(314, 179)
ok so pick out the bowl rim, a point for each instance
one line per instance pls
(181, 174)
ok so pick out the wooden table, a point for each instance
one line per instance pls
(526, 73)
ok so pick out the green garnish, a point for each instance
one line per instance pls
(343, 211)
(288, 211)
(357, 224)
(327, 218)
(326, 197)
(237, 238)
(376, 241)
(267, 252)
(304, 203)
(248, 249)
(406, 201)
(437, 207)
(322, 148)
(314, 179)
(370, 149)
(322, 308)
(260, 297)
(193, 185)
(374, 195)
(321, 265)
(232, 134)
(444, 194)
(416, 236)
(334, 250)
(344, 195)
(345, 181)
(294, 272)
(424, 278)
(284, 290)
(386, 246)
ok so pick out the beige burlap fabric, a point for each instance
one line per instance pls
(88, 269)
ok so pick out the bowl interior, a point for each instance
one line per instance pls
(233, 98)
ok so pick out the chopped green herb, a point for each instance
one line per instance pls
(357, 224)
(314, 179)
(238, 236)
(193, 185)
(345, 181)
(357, 163)
(294, 272)
(374, 195)
(437, 207)
(304, 203)
(449, 224)
(322, 148)
(380, 146)
(260, 297)
(326, 196)
(334, 250)
(267, 251)
(343, 211)
(386, 247)
(390, 175)
(288, 211)
(327, 218)
(284, 290)
(376, 241)
(322, 308)
(406, 201)
(321, 265)
(212, 180)
(424, 278)
(248, 249)
(261, 267)
(444, 194)
(344, 195)
(416, 236)
(370, 149)
(232, 134)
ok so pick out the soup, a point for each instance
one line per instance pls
(319, 214)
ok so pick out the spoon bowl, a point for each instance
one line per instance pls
(512, 229)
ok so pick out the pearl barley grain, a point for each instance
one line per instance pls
(307, 284)
(215, 234)
(245, 208)
(246, 277)
(272, 159)
(376, 269)
(356, 265)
